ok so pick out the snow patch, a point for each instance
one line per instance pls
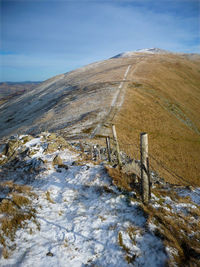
(146, 51)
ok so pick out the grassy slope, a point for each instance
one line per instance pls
(163, 100)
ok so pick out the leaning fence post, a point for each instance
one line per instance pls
(108, 147)
(117, 145)
(145, 183)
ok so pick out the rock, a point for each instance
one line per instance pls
(14, 137)
(3, 149)
(50, 254)
(56, 143)
(51, 137)
(62, 142)
(3, 160)
(57, 161)
(63, 166)
(26, 138)
(52, 147)
(12, 146)
(87, 167)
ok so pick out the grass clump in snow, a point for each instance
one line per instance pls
(130, 257)
(120, 179)
(179, 229)
(16, 211)
(48, 196)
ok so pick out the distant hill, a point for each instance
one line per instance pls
(149, 90)
(13, 89)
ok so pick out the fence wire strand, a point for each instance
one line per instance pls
(162, 165)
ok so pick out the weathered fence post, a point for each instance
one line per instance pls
(98, 153)
(149, 178)
(91, 151)
(145, 181)
(108, 147)
(117, 145)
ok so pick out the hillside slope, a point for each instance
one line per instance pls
(152, 91)
(163, 99)
(8, 90)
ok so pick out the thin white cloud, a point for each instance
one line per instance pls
(67, 34)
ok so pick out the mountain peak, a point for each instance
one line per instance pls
(146, 50)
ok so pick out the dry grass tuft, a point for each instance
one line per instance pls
(20, 200)
(178, 230)
(48, 196)
(120, 179)
(10, 224)
(128, 258)
(16, 211)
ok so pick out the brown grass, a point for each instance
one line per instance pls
(178, 230)
(48, 196)
(120, 179)
(164, 101)
(16, 211)
(24, 189)
(129, 258)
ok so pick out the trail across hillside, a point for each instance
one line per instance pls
(115, 105)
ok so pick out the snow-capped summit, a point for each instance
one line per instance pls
(152, 51)
(146, 50)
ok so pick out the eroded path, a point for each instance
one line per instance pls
(117, 102)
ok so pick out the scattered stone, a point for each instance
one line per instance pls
(12, 146)
(50, 254)
(52, 137)
(52, 147)
(3, 149)
(26, 138)
(63, 166)
(56, 143)
(14, 137)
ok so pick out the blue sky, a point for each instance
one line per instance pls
(43, 38)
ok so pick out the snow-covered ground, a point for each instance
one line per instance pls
(84, 219)
(82, 224)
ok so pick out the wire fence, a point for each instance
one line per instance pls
(134, 147)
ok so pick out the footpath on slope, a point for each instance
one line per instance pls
(115, 106)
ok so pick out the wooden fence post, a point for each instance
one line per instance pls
(117, 145)
(108, 147)
(91, 151)
(145, 183)
(98, 153)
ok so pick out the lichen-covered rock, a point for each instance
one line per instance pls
(52, 147)
(3, 159)
(26, 138)
(64, 166)
(56, 143)
(52, 137)
(12, 147)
